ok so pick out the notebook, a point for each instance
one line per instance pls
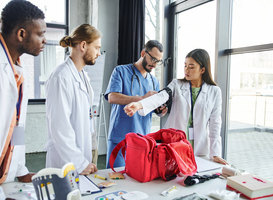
(250, 186)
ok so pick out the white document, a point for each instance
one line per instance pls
(87, 186)
(206, 165)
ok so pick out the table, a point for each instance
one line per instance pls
(152, 188)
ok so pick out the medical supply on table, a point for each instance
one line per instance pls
(173, 145)
(62, 183)
(116, 175)
(106, 184)
(116, 195)
(192, 196)
(228, 170)
(224, 194)
(169, 191)
(100, 177)
(195, 179)
(134, 195)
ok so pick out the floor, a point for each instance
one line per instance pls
(249, 151)
(36, 161)
(252, 152)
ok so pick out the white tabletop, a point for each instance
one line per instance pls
(155, 187)
(152, 188)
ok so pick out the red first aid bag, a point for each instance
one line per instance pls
(163, 154)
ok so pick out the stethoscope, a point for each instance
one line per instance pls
(132, 81)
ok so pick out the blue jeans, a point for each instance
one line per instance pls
(119, 162)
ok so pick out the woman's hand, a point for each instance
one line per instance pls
(131, 108)
(220, 160)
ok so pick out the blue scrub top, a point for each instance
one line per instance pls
(120, 123)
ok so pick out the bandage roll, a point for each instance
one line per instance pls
(228, 171)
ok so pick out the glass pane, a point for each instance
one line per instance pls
(251, 21)
(250, 123)
(196, 28)
(41, 66)
(54, 10)
(153, 31)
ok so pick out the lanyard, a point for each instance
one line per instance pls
(195, 100)
(18, 104)
(87, 89)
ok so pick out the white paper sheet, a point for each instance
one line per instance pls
(87, 186)
(206, 165)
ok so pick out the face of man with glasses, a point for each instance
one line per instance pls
(152, 59)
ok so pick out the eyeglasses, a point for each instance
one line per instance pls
(154, 60)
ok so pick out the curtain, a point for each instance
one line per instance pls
(131, 30)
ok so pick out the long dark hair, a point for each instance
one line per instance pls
(201, 56)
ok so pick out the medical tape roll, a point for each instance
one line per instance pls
(230, 171)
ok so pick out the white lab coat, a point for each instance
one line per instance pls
(206, 114)
(8, 100)
(68, 120)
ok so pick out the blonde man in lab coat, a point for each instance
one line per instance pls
(69, 98)
(20, 33)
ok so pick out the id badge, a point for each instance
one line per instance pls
(191, 135)
(18, 136)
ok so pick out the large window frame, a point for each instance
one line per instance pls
(223, 50)
(37, 58)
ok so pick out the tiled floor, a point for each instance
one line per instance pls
(250, 151)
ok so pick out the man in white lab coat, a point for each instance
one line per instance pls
(69, 97)
(22, 31)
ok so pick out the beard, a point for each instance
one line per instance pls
(144, 64)
(88, 60)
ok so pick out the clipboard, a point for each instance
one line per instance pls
(87, 186)
(204, 165)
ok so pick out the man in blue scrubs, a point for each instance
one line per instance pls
(131, 83)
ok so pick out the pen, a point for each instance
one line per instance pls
(103, 178)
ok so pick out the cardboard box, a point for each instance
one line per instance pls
(250, 186)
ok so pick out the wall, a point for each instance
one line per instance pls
(36, 128)
(108, 25)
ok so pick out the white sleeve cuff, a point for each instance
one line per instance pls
(153, 102)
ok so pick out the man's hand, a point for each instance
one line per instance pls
(132, 108)
(90, 169)
(150, 93)
(26, 178)
(220, 160)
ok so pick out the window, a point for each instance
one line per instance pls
(195, 29)
(39, 67)
(241, 40)
(153, 31)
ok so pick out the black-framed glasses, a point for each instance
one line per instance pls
(154, 60)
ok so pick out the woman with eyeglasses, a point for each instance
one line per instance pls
(196, 106)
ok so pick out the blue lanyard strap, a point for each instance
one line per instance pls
(18, 104)
(195, 100)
